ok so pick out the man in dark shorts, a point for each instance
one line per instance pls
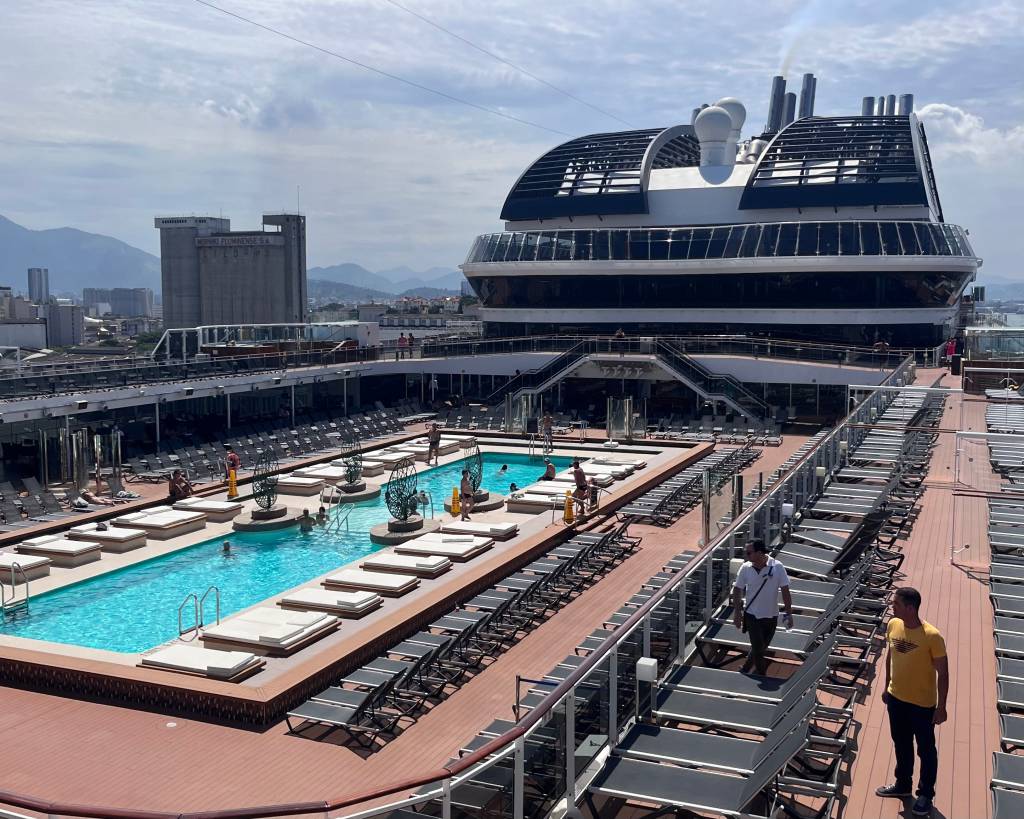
(582, 490)
(433, 443)
(232, 461)
(465, 495)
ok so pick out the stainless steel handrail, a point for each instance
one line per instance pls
(196, 624)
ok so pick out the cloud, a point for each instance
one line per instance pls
(954, 132)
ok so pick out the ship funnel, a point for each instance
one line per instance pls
(776, 103)
(890, 105)
(867, 106)
(713, 127)
(807, 90)
(906, 105)
(790, 113)
(880, 106)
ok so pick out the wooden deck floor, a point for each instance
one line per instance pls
(69, 750)
(955, 600)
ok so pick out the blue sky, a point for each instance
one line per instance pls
(125, 109)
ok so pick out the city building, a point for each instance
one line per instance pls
(38, 285)
(65, 325)
(213, 275)
(120, 301)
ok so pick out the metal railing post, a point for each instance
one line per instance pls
(647, 636)
(518, 775)
(613, 695)
(570, 748)
(446, 798)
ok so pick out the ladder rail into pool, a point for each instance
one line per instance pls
(182, 631)
(202, 605)
(14, 604)
(340, 511)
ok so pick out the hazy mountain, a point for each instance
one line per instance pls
(350, 273)
(76, 259)
(343, 292)
(396, 281)
(997, 287)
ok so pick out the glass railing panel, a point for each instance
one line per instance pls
(590, 731)
(716, 244)
(545, 247)
(828, 239)
(619, 240)
(870, 240)
(769, 240)
(665, 630)
(807, 240)
(680, 246)
(563, 246)
(544, 765)
(751, 238)
(908, 237)
(582, 240)
(630, 650)
(600, 247)
(890, 239)
(699, 243)
(485, 791)
(659, 245)
(734, 242)
(639, 245)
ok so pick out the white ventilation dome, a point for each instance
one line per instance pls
(737, 113)
(713, 126)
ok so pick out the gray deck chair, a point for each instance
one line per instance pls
(1006, 803)
(687, 788)
(1009, 695)
(1011, 731)
(1008, 771)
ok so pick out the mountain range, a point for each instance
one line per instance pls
(77, 259)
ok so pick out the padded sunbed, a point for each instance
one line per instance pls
(623, 460)
(385, 583)
(215, 511)
(496, 529)
(114, 539)
(458, 550)
(529, 503)
(350, 604)
(229, 666)
(600, 478)
(328, 474)
(270, 631)
(163, 522)
(33, 566)
(62, 552)
(297, 485)
(420, 565)
(390, 459)
(367, 469)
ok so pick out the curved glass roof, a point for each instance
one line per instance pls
(839, 161)
(599, 173)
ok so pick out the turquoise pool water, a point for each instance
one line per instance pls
(135, 608)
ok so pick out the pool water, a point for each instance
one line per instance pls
(136, 608)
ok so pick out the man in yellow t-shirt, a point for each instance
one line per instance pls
(916, 685)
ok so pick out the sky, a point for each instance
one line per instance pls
(121, 110)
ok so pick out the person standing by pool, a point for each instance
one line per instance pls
(465, 495)
(231, 461)
(548, 428)
(582, 490)
(433, 443)
(306, 522)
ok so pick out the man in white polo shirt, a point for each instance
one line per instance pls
(755, 602)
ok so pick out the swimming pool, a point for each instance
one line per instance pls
(135, 608)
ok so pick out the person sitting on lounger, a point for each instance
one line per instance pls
(306, 522)
(178, 488)
(549, 471)
(90, 497)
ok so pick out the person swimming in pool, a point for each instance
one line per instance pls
(226, 549)
(306, 522)
(321, 516)
(503, 471)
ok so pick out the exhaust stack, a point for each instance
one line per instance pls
(776, 105)
(890, 105)
(906, 105)
(807, 90)
(790, 112)
(867, 106)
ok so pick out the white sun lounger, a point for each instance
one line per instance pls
(624, 460)
(459, 552)
(215, 511)
(367, 469)
(229, 666)
(551, 488)
(62, 552)
(391, 459)
(350, 604)
(114, 539)
(163, 522)
(297, 485)
(497, 529)
(420, 565)
(328, 474)
(386, 583)
(599, 478)
(273, 631)
(33, 567)
(528, 503)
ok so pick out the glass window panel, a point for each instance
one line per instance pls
(545, 247)
(620, 244)
(474, 251)
(515, 247)
(750, 239)
(925, 239)
(699, 243)
(716, 245)
(502, 248)
(563, 245)
(869, 239)
(599, 250)
(953, 239)
(849, 239)
(769, 240)
(732, 244)
(581, 245)
(890, 239)
(679, 248)
(659, 244)
(787, 240)
(828, 239)
(909, 238)
(807, 239)
(941, 245)
(530, 247)
(639, 245)
(489, 249)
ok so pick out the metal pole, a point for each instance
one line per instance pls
(158, 421)
(518, 776)
(227, 397)
(706, 534)
(344, 387)
(570, 749)
(293, 405)
(44, 467)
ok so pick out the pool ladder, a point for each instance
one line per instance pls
(198, 612)
(14, 605)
